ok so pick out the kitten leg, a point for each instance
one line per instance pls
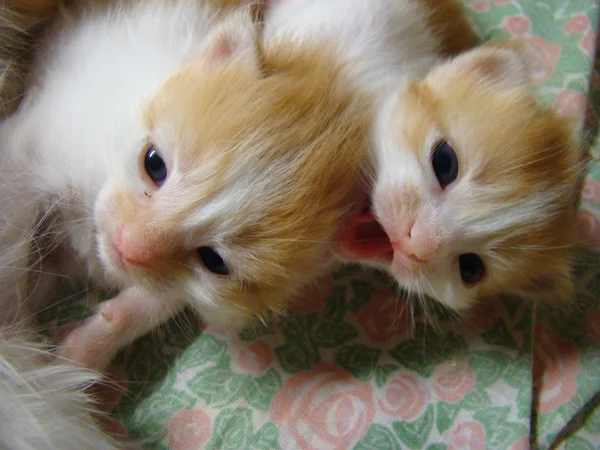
(119, 321)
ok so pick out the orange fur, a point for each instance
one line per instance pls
(450, 26)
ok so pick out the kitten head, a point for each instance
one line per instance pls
(475, 186)
(244, 170)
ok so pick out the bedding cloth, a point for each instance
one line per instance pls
(350, 368)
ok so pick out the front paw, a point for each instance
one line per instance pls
(94, 342)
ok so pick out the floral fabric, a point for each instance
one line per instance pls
(353, 368)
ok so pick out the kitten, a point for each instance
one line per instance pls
(170, 161)
(176, 165)
(474, 182)
(476, 185)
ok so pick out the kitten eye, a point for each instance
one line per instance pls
(471, 268)
(155, 166)
(445, 164)
(213, 261)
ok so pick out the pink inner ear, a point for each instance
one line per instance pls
(364, 238)
(218, 49)
(223, 48)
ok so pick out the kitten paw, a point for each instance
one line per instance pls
(94, 343)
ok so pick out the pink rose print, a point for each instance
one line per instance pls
(593, 323)
(587, 43)
(189, 429)
(483, 316)
(590, 228)
(313, 298)
(501, 2)
(453, 380)
(255, 358)
(480, 6)
(555, 368)
(577, 24)
(517, 25)
(385, 316)
(403, 397)
(323, 408)
(545, 58)
(590, 192)
(468, 436)
(521, 444)
(570, 103)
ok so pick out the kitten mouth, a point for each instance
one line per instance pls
(363, 237)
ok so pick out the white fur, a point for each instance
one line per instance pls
(45, 405)
(382, 41)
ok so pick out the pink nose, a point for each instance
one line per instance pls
(417, 243)
(137, 246)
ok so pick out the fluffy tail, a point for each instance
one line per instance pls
(43, 404)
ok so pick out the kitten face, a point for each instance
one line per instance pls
(475, 186)
(238, 185)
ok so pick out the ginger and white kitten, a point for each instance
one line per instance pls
(474, 182)
(175, 164)
(475, 187)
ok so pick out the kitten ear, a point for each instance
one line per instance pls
(236, 37)
(500, 64)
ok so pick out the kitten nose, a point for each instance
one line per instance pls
(140, 246)
(417, 244)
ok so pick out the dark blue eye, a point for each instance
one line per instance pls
(445, 164)
(213, 261)
(155, 166)
(471, 268)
